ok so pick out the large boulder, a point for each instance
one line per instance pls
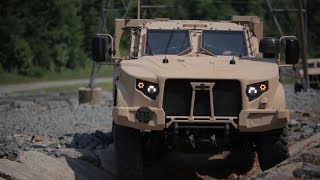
(18, 171)
(59, 168)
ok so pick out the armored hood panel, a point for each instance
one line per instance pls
(207, 67)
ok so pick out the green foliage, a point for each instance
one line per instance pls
(55, 35)
(40, 36)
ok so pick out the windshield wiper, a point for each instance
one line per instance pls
(204, 51)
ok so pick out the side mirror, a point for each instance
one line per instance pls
(99, 48)
(292, 51)
(269, 47)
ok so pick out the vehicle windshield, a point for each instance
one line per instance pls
(167, 41)
(224, 42)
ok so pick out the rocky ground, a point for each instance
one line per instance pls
(51, 136)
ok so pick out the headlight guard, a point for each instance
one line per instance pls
(149, 89)
(253, 91)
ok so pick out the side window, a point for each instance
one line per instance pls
(318, 64)
(125, 44)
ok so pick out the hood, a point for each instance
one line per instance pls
(201, 67)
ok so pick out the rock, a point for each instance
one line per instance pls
(305, 114)
(82, 154)
(93, 145)
(91, 96)
(18, 171)
(102, 136)
(82, 140)
(66, 139)
(9, 149)
(318, 128)
(305, 144)
(46, 164)
(68, 152)
(298, 160)
(37, 146)
(86, 171)
(4, 107)
(55, 145)
(279, 171)
(311, 156)
(21, 104)
(293, 123)
(307, 131)
(107, 159)
(307, 171)
(62, 168)
(311, 167)
(37, 138)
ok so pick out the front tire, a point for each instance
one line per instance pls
(128, 151)
(242, 154)
(272, 148)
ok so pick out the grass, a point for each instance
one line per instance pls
(104, 86)
(13, 78)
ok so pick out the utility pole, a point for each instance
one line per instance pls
(272, 11)
(148, 7)
(304, 45)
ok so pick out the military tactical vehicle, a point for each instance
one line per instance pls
(197, 85)
(313, 73)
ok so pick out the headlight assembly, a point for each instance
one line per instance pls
(253, 91)
(149, 89)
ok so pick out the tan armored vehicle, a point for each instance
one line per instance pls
(197, 86)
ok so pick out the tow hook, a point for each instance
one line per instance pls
(191, 139)
(213, 140)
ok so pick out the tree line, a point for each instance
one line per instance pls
(40, 36)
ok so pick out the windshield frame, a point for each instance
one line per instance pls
(245, 48)
(147, 45)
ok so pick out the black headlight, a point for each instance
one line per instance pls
(150, 89)
(253, 91)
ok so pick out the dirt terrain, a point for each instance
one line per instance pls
(51, 136)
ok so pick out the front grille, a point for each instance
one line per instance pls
(226, 98)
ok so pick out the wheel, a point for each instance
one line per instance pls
(272, 147)
(153, 147)
(242, 155)
(128, 152)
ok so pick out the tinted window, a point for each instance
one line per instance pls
(318, 64)
(224, 42)
(167, 41)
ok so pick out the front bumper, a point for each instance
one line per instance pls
(256, 120)
(125, 116)
(252, 120)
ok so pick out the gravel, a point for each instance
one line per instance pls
(52, 114)
(58, 114)
(306, 103)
